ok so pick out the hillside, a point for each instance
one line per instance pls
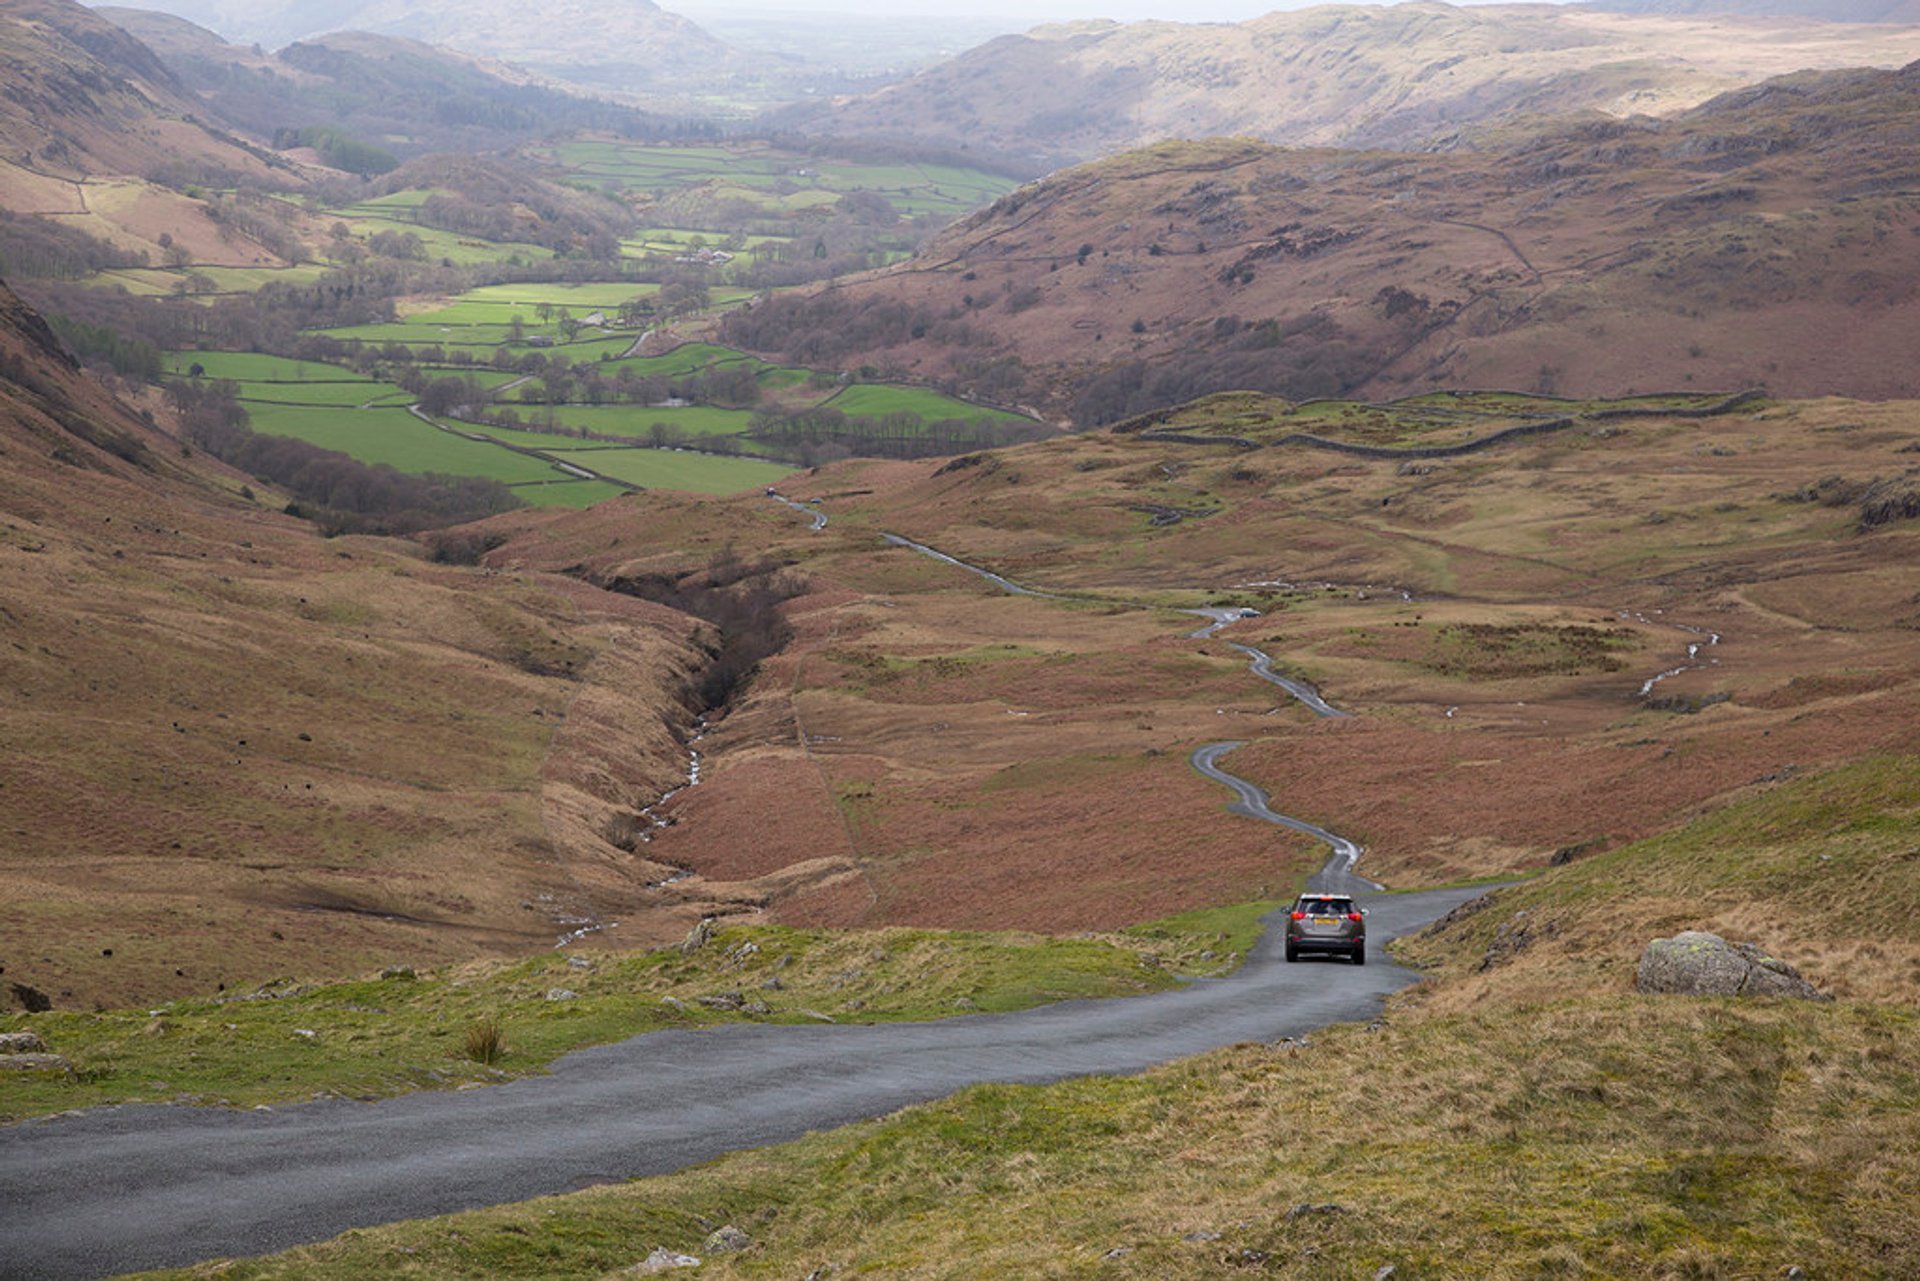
(399, 94)
(1762, 239)
(635, 45)
(1893, 12)
(84, 98)
(236, 750)
(1343, 76)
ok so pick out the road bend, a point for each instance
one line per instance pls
(1336, 876)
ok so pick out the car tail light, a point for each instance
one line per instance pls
(1353, 916)
(1299, 916)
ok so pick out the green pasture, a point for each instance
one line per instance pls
(412, 198)
(152, 282)
(876, 400)
(452, 246)
(788, 182)
(254, 366)
(337, 395)
(634, 421)
(564, 491)
(590, 296)
(396, 438)
(681, 469)
(688, 358)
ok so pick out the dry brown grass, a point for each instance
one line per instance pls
(237, 751)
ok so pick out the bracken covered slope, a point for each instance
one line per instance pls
(232, 750)
(1767, 238)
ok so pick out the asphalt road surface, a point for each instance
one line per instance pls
(1336, 876)
(113, 1189)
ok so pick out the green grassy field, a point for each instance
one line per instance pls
(678, 469)
(685, 359)
(399, 440)
(250, 366)
(634, 421)
(339, 395)
(160, 281)
(775, 180)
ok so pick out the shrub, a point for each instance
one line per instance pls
(486, 1041)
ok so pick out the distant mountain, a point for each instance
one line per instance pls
(1771, 237)
(1331, 76)
(632, 44)
(1901, 12)
(406, 96)
(83, 97)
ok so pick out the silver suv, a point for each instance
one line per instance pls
(1327, 923)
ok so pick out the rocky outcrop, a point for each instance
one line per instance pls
(728, 1239)
(1696, 963)
(26, 1052)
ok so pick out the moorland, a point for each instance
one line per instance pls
(437, 580)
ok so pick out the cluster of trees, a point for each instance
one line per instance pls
(896, 435)
(338, 150)
(827, 328)
(101, 345)
(494, 198)
(39, 248)
(1308, 357)
(338, 492)
(263, 219)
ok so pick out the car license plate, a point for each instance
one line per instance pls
(1326, 920)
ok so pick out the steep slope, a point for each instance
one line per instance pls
(231, 750)
(407, 96)
(85, 98)
(1767, 238)
(1352, 76)
(634, 44)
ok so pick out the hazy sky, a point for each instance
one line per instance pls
(1020, 15)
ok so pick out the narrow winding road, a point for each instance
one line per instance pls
(1336, 876)
(818, 517)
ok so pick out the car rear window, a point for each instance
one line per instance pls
(1325, 906)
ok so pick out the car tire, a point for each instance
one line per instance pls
(1293, 953)
(1360, 955)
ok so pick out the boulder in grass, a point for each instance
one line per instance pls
(727, 1239)
(662, 1260)
(22, 1043)
(1696, 963)
(34, 1063)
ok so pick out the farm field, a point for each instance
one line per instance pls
(780, 182)
(635, 421)
(681, 469)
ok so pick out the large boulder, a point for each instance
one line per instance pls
(1696, 963)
